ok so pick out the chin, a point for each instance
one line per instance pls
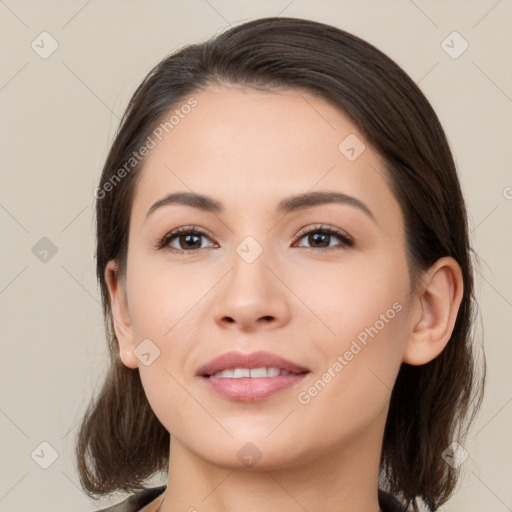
(253, 452)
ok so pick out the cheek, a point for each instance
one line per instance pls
(161, 297)
(353, 388)
(345, 299)
(367, 313)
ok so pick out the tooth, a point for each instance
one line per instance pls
(241, 372)
(238, 373)
(258, 372)
(224, 373)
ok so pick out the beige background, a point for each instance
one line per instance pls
(58, 117)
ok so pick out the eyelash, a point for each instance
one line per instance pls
(346, 240)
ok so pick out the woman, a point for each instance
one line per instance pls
(286, 275)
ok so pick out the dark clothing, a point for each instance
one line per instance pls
(136, 501)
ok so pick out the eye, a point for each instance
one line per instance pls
(321, 236)
(188, 239)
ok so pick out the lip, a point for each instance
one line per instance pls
(260, 359)
(250, 389)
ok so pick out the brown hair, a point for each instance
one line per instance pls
(121, 442)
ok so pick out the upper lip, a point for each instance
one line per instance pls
(260, 359)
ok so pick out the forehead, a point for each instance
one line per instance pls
(252, 148)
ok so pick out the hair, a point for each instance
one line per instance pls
(121, 442)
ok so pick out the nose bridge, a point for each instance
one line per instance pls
(252, 248)
(250, 272)
(251, 292)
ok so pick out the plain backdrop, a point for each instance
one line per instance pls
(59, 112)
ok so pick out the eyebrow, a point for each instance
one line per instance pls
(287, 205)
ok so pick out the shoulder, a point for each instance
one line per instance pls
(136, 501)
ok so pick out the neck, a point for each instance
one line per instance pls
(342, 478)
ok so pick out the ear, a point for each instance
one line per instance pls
(437, 307)
(120, 313)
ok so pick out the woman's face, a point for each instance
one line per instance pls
(265, 276)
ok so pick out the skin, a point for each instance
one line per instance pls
(248, 150)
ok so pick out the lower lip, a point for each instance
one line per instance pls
(248, 389)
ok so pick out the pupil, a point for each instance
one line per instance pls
(324, 237)
(188, 238)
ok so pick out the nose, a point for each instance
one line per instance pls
(252, 297)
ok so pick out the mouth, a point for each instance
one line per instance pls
(249, 365)
(250, 377)
(252, 373)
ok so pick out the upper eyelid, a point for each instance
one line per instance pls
(343, 235)
(303, 231)
(323, 227)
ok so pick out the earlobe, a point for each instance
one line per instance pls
(120, 313)
(437, 305)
